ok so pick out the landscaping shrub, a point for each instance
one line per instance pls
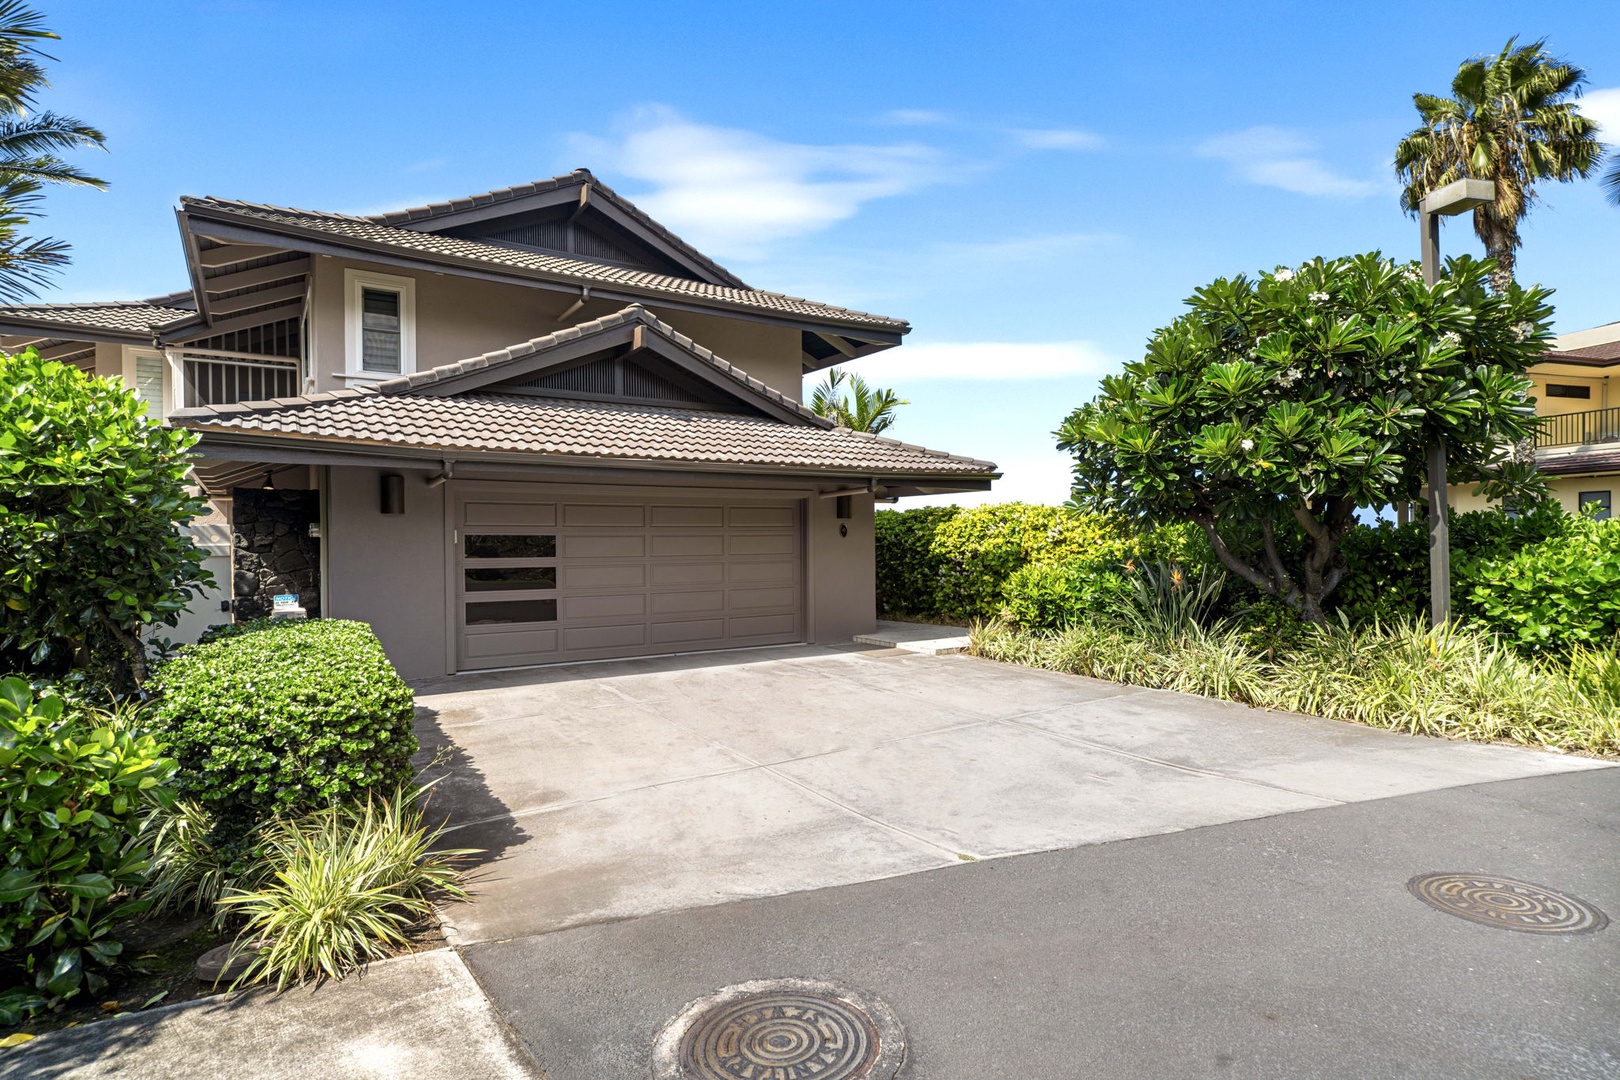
(91, 495)
(908, 568)
(342, 886)
(954, 564)
(1051, 596)
(1387, 575)
(294, 717)
(72, 784)
(190, 869)
(1447, 681)
(1550, 596)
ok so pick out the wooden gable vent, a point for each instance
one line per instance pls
(616, 378)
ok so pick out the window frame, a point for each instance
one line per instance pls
(355, 284)
(1564, 390)
(1583, 499)
(130, 362)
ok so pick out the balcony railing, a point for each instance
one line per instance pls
(226, 380)
(1580, 428)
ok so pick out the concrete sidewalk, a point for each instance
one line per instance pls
(615, 790)
(418, 1017)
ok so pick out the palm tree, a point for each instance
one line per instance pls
(866, 409)
(29, 146)
(1513, 120)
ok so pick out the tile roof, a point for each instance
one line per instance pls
(1592, 355)
(368, 232)
(738, 380)
(117, 316)
(558, 427)
(416, 214)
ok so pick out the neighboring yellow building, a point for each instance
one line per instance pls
(1580, 447)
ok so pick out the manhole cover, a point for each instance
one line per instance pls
(781, 1029)
(1507, 904)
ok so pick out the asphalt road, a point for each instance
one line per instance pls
(1285, 946)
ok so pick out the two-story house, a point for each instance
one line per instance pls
(522, 427)
(1579, 445)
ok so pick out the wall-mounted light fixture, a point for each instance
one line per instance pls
(393, 493)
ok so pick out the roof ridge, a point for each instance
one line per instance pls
(429, 211)
(631, 312)
(571, 267)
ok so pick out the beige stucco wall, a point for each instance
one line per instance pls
(390, 571)
(1567, 489)
(771, 354)
(458, 318)
(842, 570)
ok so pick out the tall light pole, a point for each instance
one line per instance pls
(1454, 198)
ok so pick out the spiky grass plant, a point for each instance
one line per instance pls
(1442, 681)
(343, 886)
(189, 871)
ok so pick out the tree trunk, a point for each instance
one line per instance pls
(1501, 240)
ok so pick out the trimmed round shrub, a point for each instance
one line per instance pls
(1050, 596)
(290, 718)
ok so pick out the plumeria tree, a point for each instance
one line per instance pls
(1275, 408)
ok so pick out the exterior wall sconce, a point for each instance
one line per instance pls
(393, 493)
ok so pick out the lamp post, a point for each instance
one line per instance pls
(1454, 198)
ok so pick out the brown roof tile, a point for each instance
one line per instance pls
(557, 427)
(366, 231)
(118, 316)
(417, 214)
(1592, 355)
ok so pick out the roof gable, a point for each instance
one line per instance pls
(573, 214)
(630, 355)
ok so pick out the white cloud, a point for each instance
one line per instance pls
(1274, 157)
(1058, 139)
(1604, 107)
(916, 117)
(731, 191)
(998, 360)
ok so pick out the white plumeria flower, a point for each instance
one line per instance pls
(1523, 330)
(1290, 377)
(1411, 273)
(1247, 444)
(1318, 297)
(1284, 274)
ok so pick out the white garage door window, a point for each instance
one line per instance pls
(550, 575)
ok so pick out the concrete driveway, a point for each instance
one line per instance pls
(607, 791)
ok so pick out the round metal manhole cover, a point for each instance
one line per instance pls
(1507, 904)
(781, 1029)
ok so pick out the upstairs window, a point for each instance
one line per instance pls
(380, 316)
(1566, 390)
(149, 383)
(379, 330)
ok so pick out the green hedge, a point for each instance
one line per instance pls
(955, 564)
(1544, 580)
(289, 718)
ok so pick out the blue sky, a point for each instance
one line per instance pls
(1034, 186)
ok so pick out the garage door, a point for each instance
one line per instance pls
(546, 575)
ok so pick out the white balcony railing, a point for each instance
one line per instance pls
(225, 379)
